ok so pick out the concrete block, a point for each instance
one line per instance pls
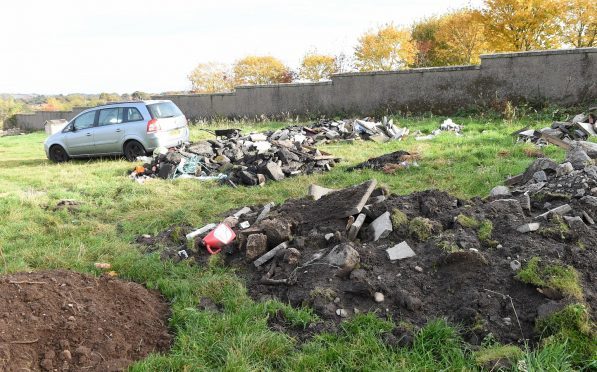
(400, 251)
(381, 227)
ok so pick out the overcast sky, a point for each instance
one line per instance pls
(66, 46)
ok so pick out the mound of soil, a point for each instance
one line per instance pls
(62, 320)
(389, 163)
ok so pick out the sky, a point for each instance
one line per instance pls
(66, 46)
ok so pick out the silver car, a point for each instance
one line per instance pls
(131, 128)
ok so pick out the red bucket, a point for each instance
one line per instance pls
(219, 237)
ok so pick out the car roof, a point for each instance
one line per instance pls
(143, 102)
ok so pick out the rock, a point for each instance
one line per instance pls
(515, 265)
(342, 313)
(66, 355)
(575, 223)
(589, 147)
(273, 171)
(344, 256)
(292, 256)
(378, 297)
(500, 191)
(248, 178)
(316, 192)
(565, 168)
(540, 176)
(418, 269)
(358, 275)
(561, 210)
(277, 230)
(354, 229)
(549, 308)
(265, 211)
(588, 218)
(270, 254)
(577, 157)
(258, 137)
(528, 227)
(400, 251)
(506, 207)
(256, 245)
(589, 200)
(381, 227)
(405, 300)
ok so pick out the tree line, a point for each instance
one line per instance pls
(455, 38)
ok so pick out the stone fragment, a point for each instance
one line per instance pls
(575, 223)
(381, 227)
(269, 255)
(242, 212)
(418, 269)
(278, 230)
(577, 157)
(273, 171)
(344, 256)
(356, 226)
(500, 191)
(256, 245)
(265, 211)
(342, 313)
(561, 210)
(400, 251)
(316, 192)
(528, 227)
(515, 265)
(565, 168)
(589, 200)
(292, 256)
(378, 297)
(258, 137)
(540, 176)
(588, 218)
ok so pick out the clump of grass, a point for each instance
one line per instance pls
(484, 228)
(399, 219)
(421, 228)
(571, 326)
(323, 292)
(448, 246)
(493, 355)
(563, 278)
(467, 222)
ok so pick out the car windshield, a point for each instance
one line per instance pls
(163, 110)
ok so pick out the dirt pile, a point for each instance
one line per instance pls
(389, 163)
(61, 320)
(492, 265)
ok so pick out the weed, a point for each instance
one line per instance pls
(420, 228)
(494, 354)
(399, 219)
(467, 222)
(323, 292)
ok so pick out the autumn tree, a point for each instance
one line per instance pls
(387, 48)
(423, 34)
(579, 23)
(460, 38)
(253, 70)
(317, 67)
(211, 77)
(513, 25)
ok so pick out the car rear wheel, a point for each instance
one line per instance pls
(132, 149)
(58, 154)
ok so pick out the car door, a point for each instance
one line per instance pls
(79, 141)
(109, 132)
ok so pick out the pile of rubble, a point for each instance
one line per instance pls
(580, 127)
(247, 160)
(10, 132)
(446, 126)
(348, 129)
(420, 256)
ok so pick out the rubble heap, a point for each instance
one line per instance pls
(389, 163)
(580, 127)
(247, 160)
(356, 128)
(425, 255)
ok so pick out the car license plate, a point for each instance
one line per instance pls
(175, 133)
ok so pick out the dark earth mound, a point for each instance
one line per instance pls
(62, 320)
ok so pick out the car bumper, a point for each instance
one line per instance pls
(167, 139)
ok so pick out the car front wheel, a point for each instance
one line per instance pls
(132, 149)
(58, 154)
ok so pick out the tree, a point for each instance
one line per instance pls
(579, 20)
(139, 96)
(388, 48)
(461, 37)
(513, 25)
(211, 77)
(317, 67)
(423, 34)
(8, 108)
(254, 70)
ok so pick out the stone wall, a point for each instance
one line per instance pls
(562, 77)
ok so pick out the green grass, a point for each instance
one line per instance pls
(115, 210)
(563, 278)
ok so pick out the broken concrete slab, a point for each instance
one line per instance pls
(500, 191)
(354, 229)
(265, 211)
(316, 192)
(381, 227)
(561, 210)
(273, 171)
(241, 212)
(400, 251)
(270, 254)
(528, 227)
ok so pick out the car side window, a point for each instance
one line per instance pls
(110, 116)
(132, 114)
(85, 121)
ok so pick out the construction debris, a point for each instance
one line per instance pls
(245, 160)
(561, 133)
(350, 129)
(446, 126)
(389, 163)
(422, 255)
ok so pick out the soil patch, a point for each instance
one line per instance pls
(62, 320)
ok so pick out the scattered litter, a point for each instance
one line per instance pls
(446, 126)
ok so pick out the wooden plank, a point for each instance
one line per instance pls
(553, 140)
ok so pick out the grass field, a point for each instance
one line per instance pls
(115, 210)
